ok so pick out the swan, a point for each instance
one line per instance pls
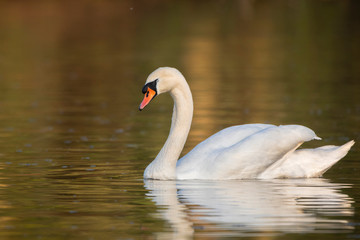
(249, 151)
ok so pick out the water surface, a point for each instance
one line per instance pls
(73, 145)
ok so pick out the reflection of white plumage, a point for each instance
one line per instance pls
(240, 152)
(291, 205)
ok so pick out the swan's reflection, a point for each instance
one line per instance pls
(301, 205)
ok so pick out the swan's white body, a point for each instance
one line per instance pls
(251, 151)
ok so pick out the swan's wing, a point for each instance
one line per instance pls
(247, 158)
(254, 154)
(201, 154)
(307, 163)
(227, 137)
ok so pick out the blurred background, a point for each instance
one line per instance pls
(71, 74)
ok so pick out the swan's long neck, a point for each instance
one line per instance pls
(164, 165)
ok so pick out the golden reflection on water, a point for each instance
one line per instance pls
(200, 60)
(73, 145)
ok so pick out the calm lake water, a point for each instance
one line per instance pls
(73, 145)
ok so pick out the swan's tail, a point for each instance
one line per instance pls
(332, 154)
(309, 163)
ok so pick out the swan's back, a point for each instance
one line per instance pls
(247, 151)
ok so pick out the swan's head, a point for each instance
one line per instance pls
(162, 80)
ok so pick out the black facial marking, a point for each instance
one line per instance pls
(145, 88)
(151, 85)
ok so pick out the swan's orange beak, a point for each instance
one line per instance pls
(149, 95)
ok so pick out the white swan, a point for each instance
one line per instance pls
(250, 151)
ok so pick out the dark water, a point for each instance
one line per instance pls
(73, 145)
